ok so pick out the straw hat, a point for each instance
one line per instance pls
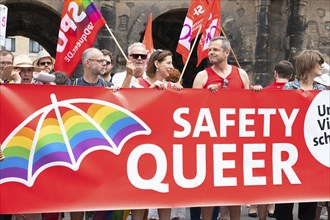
(324, 79)
(22, 61)
(42, 54)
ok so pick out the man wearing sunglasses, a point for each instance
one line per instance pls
(221, 75)
(44, 61)
(137, 56)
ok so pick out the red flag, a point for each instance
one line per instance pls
(147, 39)
(190, 27)
(212, 25)
(79, 26)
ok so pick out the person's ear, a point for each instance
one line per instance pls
(156, 63)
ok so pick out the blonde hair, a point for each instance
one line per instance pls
(306, 62)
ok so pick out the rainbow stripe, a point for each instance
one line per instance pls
(64, 135)
(90, 9)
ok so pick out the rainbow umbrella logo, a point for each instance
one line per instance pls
(63, 133)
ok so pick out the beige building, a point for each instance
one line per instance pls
(22, 45)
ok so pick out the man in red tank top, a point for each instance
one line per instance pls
(221, 75)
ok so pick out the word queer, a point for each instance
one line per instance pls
(156, 183)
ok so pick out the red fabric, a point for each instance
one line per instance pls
(234, 78)
(147, 39)
(212, 28)
(235, 143)
(78, 30)
(275, 85)
(191, 26)
(144, 83)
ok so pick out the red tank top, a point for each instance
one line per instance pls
(232, 81)
(144, 83)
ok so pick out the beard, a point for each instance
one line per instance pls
(102, 71)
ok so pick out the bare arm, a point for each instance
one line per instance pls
(200, 79)
(245, 78)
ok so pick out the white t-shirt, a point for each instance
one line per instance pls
(118, 80)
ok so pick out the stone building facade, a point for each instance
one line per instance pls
(262, 32)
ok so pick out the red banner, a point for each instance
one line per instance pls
(87, 148)
(80, 23)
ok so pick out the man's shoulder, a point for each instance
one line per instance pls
(76, 81)
(240, 70)
(105, 83)
(203, 72)
(81, 82)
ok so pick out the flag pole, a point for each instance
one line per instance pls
(190, 52)
(113, 36)
(231, 49)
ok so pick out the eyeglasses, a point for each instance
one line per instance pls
(137, 56)
(45, 63)
(321, 62)
(4, 63)
(102, 62)
(225, 83)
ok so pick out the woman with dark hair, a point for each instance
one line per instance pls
(158, 69)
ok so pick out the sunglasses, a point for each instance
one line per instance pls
(225, 83)
(137, 56)
(45, 63)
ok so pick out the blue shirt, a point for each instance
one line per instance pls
(294, 85)
(81, 82)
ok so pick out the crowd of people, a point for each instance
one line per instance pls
(310, 73)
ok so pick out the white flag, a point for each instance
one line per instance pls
(3, 25)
